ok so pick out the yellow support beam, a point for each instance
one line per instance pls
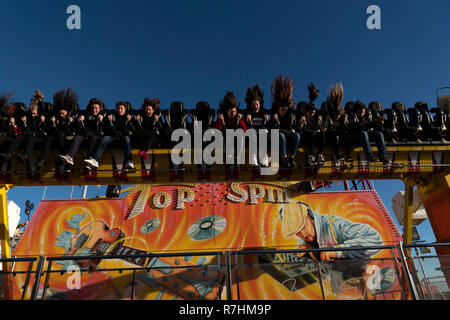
(4, 238)
(4, 228)
(408, 215)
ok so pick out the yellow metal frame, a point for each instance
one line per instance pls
(159, 169)
(4, 227)
(4, 236)
(408, 214)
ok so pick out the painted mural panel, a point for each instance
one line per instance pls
(215, 217)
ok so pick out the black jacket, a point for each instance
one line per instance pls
(61, 126)
(91, 125)
(119, 125)
(337, 126)
(149, 125)
(33, 126)
(356, 124)
(285, 124)
(258, 121)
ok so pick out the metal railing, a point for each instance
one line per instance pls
(286, 268)
(430, 270)
(5, 285)
(230, 269)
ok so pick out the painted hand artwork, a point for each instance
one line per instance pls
(191, 219)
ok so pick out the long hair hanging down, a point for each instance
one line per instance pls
(5, 104)
(335, 98)
(281, 90)
(254, 93)
(229, 101)
(65, 99)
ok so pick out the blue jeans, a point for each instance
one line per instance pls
(366, 137)
(106, 140)
(289, 143)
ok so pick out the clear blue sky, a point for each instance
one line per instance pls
(197, 50)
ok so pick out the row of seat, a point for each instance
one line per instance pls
(400, 125)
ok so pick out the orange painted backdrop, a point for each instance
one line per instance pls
(239, 225)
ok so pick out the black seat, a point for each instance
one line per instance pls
(390, 126)
(376, 111)
(387, 127)
(415, 122)
(46, 109)
(20, 109)
(431, 131)
(203, 113)
(440, 121)
(175, 118)
(76, 112)
(407, 133)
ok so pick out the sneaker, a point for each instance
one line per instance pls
(320, 159)
(91, 162)
(67, 159)
(143, 154)
(284, 163)
(292, 163)
(129, 165)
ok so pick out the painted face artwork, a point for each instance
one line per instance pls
(308, 233)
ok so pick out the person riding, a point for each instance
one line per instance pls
(34, 127)
(283, 118)
(10, 132)
(119, 127)
(62, 124)
(361, 127)
(256, 117)
(89, 127)
(148, 126)
(311, 129)
(336, 123)
(228, 118)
